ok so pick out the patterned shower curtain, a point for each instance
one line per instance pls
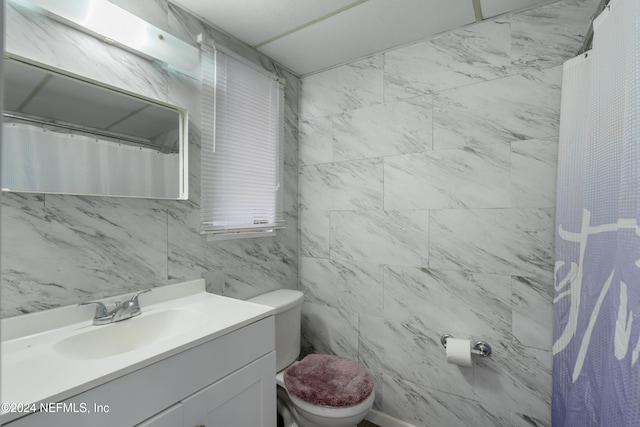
(596, 342)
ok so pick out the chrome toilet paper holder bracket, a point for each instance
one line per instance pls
(480, 348)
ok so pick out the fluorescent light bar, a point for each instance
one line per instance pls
(113, 24)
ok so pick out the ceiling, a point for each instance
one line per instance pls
(308, 36)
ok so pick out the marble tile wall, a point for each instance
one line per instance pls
(426, 206)
(59, 250)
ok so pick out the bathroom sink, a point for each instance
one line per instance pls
(75, 356)
(127, 335)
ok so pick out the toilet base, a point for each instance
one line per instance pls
(289, 417)
(285, 417)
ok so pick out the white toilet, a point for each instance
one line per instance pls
(320, 390)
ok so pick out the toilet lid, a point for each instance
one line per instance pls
(322, 379)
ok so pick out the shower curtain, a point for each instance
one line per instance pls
(34, 159)
(596, 342)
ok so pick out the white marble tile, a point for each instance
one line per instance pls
(500, 241)
(547, 36)
(239, 252)
(314, 229)
(55, 257)
(341, 186)
(533, 172)
(467, 55)
(378, 383)
(316, 141)
(533, 297)
(190, 253)
(286, 238)
(532, 333)
(344, 88)
(187, 249)
(250, 280)
(412, 351)
(517, 379)
(23, 200)
(290, 194)
(383, 130)
(532, 302)
(326, 330)
(63, 201)
(350, 287)
(291, 152)
(465, 305)
(473, 177)
(524, 420)
(423, 406)
(214, 281)
(512, 108)
(380, 237)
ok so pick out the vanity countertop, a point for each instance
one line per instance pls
(35, 371)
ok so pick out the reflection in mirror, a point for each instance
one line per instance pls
(62, 134)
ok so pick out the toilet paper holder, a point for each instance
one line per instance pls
(480, 348)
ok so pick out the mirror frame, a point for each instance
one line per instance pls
(183, 139)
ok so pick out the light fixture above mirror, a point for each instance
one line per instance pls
(115, 25)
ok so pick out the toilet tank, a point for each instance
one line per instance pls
(288, 316)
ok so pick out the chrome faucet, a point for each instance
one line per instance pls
(123, 310)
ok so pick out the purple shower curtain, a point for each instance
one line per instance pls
(596, 343)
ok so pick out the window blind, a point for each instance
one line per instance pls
(242, 176)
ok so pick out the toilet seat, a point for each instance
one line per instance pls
(329, 381)
(324, 378)
(350, 415)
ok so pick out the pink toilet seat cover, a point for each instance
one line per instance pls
(326, 380)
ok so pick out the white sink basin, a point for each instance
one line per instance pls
(127, 335)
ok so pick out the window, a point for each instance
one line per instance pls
(241, 177)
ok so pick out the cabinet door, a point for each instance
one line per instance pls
(245, 398)
(171, 417)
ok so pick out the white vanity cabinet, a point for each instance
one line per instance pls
(243, 398)
(171, 417)
(237, 400)
(226, 382)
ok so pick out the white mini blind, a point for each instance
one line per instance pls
(242, 177)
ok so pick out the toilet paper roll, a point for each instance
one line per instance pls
(459, 351)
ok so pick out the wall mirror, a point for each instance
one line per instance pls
(66, 135)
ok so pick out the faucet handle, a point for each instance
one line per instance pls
(101, 310)
(132, 306)
(134, 299)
